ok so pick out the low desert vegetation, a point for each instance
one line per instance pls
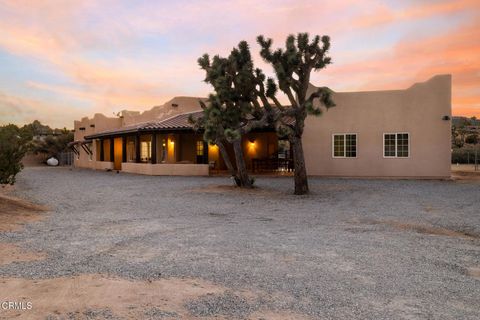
(16, 142)
(465, 140)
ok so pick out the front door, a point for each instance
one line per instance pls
(117, 154)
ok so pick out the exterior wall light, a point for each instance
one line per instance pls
(446, 118)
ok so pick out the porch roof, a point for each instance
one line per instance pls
(177, 122)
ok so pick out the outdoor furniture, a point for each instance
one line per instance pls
(272, 164)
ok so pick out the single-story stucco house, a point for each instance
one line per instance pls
(392, 133)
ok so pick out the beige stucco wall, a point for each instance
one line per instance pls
(166, 169)
(417, 110)
(169, 109)
(97, 123)
(102, 165)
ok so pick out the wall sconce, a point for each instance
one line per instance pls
(446, 118)
(251, 145)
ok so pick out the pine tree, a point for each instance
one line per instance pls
(293, 66)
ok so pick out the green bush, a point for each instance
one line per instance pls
(466, 154)
(51, 146)
(14, 143)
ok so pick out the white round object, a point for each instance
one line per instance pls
(52, 162)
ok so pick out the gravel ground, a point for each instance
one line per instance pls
(363, 249)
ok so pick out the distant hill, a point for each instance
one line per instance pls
(459, 121)
(37, 129)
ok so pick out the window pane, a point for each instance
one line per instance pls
(130, 150)
(339, 145)
(389, 141)
(351, 145)
(146, 150)
(199, 148)
(402, 144)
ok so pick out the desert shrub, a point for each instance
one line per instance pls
(53, 145)
(14, 143)
(466, 154)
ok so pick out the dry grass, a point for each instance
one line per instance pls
(234, 189)
(465, 173)
(14, 213)
(474, 272)
(422, 228)
(84, 296)
(11, 253)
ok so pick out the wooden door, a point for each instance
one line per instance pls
(117, 154)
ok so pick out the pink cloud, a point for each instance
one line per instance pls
(57, 34)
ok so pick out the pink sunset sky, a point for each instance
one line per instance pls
(62, 60)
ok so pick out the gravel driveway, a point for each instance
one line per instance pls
(363, 249)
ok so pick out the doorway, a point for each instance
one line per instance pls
(117, 153)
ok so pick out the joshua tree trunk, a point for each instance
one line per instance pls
(300, 174)
(226, 158)
(243, 178)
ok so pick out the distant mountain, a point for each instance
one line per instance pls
(37, 129)
(459, 121)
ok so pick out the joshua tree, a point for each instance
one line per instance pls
(214, 132)
(235, 108)
(293, 66)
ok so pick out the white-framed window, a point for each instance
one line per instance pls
(396, 145)
(344, 145)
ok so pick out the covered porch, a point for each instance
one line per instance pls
(155, 153)
(172, 147)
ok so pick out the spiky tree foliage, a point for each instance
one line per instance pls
(214, 133)
(293, 67)
(236, 107)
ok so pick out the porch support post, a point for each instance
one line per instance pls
(154, 148)
(111, 150)
(124, 149)
(205, 152)
(102, 152)
(137, 148)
